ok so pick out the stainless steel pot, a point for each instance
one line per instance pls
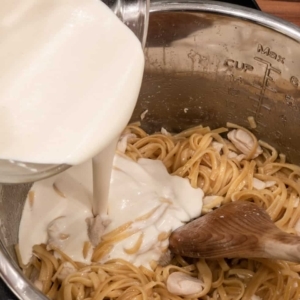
(206, 63)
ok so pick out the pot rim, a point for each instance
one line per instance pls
(248, 14)
(9, 270)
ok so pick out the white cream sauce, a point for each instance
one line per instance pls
(135, 190)
(70, 200)
(72, 71)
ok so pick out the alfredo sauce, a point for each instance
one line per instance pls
(141, 193)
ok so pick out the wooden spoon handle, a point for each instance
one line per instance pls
(237, 229)
(283, 246)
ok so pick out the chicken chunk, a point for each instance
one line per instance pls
(181, 284)
(243, 142)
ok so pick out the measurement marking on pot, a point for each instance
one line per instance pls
(240, 66)
(258, 115)
(261, 98)
(268, 52)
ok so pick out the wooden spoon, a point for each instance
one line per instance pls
(237, 229)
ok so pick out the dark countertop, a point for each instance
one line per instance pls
(5, 293)
(288, 10)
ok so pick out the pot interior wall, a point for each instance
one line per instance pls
(204, 68)
(12, 198)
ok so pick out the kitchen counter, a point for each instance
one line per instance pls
(288, 10)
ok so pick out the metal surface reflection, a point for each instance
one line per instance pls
(212, 68)
(11, 275)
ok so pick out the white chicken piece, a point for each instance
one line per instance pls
(209, 199)
(181, 284)
(165, 258)
(38, 284)
(260, 185)
(67, 269)
(217, 146)
(254, 297)
(165, 132)
(122, 143)
(238, 157)
(243, 142)
(56, 235)
(143, 115)
(96, 228)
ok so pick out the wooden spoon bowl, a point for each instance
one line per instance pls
(237, 229)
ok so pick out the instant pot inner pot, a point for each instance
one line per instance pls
(206, 68)
(209, 69)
